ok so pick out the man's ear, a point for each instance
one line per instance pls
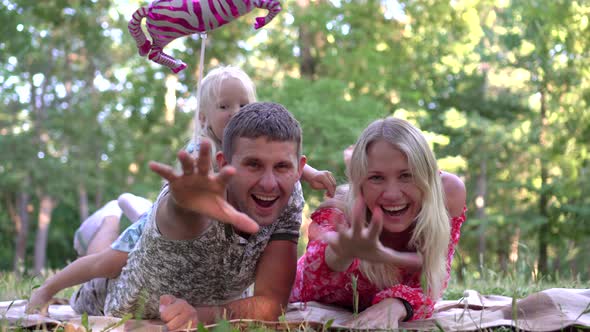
(302, 163)
(220, 158)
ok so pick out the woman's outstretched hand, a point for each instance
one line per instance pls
(361, 240)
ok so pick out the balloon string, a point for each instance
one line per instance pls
(197, 131)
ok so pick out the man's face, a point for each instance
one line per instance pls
(266, 172)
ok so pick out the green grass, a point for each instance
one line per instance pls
(13, 288)
(516, 285)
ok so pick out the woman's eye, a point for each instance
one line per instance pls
(406, 176)
(222, 107)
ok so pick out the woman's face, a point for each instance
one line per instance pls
(389, 186)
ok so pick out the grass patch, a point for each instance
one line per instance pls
(514, 285)
(517, 285)
(18, 288)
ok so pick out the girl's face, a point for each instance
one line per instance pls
(389, 186)
(232, 96)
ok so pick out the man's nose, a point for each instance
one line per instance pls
(268, 182)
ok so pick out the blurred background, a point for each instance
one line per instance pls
(501, 88)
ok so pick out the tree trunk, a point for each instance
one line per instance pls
(83, 202)
(307, 62)
(480, 212)
(514, 241)
(20, 217)
(544, 196)
(45, 208)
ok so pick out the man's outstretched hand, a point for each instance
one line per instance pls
(198, 190)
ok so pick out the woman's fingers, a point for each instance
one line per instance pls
(358, 218)
(376, 224)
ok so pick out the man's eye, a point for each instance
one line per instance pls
(283, 166)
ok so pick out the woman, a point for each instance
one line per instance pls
(388, 241)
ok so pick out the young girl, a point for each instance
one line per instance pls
(224, 91)
(394, 231)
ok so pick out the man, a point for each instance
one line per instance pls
(194, 259)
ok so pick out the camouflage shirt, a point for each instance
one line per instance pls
(212, 269)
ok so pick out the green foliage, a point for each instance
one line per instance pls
(500, 88)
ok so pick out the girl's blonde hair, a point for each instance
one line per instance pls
(431, 234)
(210, 92)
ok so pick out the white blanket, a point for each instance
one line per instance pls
(549, 310)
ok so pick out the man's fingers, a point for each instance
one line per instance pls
(225, 174)
(187, 162)
(167, 299)
(204, 161)
(239, 220)
(177, 313)
(163, 170)
(182, 321)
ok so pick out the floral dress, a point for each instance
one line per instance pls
(315, 281)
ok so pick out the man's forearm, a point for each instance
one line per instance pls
(256, 307)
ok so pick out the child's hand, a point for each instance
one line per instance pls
(322, 180)
(39, 302)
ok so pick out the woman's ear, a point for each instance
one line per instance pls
(202, 118)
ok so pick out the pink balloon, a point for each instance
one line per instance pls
(169, 19)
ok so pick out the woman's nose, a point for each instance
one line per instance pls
(392, 192)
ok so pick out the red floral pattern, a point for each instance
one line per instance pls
(315, 281)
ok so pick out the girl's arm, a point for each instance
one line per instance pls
(105, 264)
(319, 180)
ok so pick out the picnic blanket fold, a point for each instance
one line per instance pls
(549, 310)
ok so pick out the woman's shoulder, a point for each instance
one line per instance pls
(455, 193)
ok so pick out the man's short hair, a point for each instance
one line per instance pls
(261, 119)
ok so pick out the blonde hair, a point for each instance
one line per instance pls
(431, 234)
(210, 92)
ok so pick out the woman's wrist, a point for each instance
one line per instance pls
(336, 262)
